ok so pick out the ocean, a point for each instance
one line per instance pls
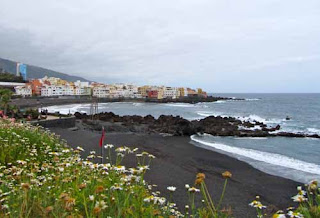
(293, 158)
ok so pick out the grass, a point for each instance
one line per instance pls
(41, 176)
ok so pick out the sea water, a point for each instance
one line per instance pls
(293, 158)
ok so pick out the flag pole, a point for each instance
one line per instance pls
(101, 144)
(102, 154)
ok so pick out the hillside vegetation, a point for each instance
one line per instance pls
(9, 77)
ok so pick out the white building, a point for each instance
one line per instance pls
(82, 91)
(129, 91)
(68, 90)
(170, 92)
(47, 90)
(23, 90)
(78, 83)
(101, 91)
(132, 88)
(115, 91)
(82, 88)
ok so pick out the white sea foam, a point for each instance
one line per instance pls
(250, 128)
(266, 157)
(65, 109)
(249, 118)
(254, 117)
(219, 102)
(313, 131)
(179, 105)
(137, 104)
(291, 129)
(205, 114)
(202, 105)
(251, 138)
(252, 99)
(208, 113)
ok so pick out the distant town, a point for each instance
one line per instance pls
(52, 86)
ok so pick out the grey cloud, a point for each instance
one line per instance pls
(221, 46)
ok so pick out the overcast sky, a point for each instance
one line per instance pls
(219, 45)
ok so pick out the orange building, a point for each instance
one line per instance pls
(35, 86)
(192, 92)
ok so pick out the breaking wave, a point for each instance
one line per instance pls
(313, 131)
(208, 113)
(66, 109)
(249, 118)
(179, 105)
(137, 104)
(254, 117)
(252, 99)
(266, 157)
(220, 101)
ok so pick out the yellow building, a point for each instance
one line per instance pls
(181, 92)
(202, 93)
(160, 93)
(143, 90)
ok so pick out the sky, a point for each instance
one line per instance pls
(219, 45)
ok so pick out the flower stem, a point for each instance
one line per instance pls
(222, 194)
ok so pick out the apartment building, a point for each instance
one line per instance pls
(52, 90)
(23, 90)
(170, 92)
(101, 91)
(142, 90)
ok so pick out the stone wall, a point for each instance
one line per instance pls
(64, 122)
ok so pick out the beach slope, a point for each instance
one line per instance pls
(178, 161)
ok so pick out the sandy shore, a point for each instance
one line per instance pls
(178, 162)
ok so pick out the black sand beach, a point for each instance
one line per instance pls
(178, 161)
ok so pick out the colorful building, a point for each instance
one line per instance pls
(152, 94)
(201, 93)
(36, 87)
(52, 86)
(183, 92)
(142, 90)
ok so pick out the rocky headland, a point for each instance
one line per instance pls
(178, 126)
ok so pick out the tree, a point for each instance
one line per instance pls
(8, 77)
(5, 98)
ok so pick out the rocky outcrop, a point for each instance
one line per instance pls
(178, 126)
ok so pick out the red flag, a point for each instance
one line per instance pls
(102, 137)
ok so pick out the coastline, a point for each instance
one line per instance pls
(43, 102)
(213, 125)
(177, 162)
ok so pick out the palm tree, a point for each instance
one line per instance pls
(5, 98)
